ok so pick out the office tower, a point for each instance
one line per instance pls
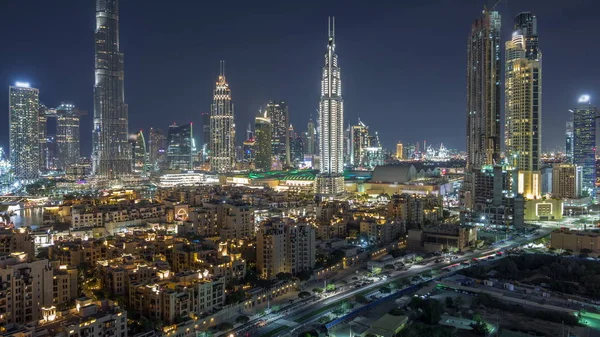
(24, 130)
(359, 142)
(156, 148)
(584, 142)
(483, 91)
(373, 153)
(67, 135)
(222, 127)
(263, 130)
(311, 138)
(180, 147)
(277, 112)
(331, 124)
(523, 97)
(526, 23)
(43, 136)
(483, 101)
(205, 116)
(399, 151)
(140, 153)
(111, 157)
(249, 150)
(569, 141)
(297, 148)
(566, 181)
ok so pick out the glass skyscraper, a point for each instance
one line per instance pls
(23, 119)
(277, 112)
(330, 181)
(263, 130)
(584, 142)
(483, 101)
(180, 147)
(111, 150)
(67, 135)
(222, 127)
(523, 98)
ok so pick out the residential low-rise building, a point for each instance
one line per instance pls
(438, 238)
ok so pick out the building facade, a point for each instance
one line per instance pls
(278, 113)
(330, 181)
(67, 135)
(111, 122)
(23, 131)
(483, 100)
(222, 127)
(584, 142)
(180, 147)
(566, 181)
(263, 144)
(157, 149)
(523, 92)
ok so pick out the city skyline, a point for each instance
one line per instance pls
(302, 104)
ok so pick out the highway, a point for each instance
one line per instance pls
(288, 315)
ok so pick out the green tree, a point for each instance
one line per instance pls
(242, 319)
(385, 290)
(303, 294)
(449, 302)
(361, 299)
(330, 287)
(317, 290)
(479, 326)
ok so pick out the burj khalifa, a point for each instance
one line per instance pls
(330, 181)
(111, 151)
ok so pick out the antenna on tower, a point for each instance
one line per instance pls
(222, 68)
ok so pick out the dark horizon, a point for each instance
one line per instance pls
(403, 65)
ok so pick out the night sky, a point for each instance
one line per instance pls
(402, 62)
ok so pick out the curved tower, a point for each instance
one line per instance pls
(111, 153)
(330, 181)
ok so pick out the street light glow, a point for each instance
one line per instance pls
(584, 98)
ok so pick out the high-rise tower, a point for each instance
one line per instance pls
(523, 98)
(111, 152)
(483, 100)
(67, 134)
(264, 141)
(584, 142)
(330, 181)
(23, 119)
(222, 127)
(311, 138)
(277, 112)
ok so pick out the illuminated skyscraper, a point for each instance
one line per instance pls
(278, 112)
(180, 146)
(483, 91)
(330, 181)
(523, 97)
(222, 127)
(23, 119)
(111, 152)
(359, 142)
(263, 145)
(483, 102)
(156, 149)
(569, 140)
(139, 153)
(584, 142)
(399, 151)
(67, 135)
(311, 138)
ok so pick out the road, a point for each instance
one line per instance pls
(290, 314)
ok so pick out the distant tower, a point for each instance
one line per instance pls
(523, 104)
(311, 138)
(222, 127)
(67, 135)
(584, 142)
(278, 113)
(180, 147)
(157, 148)
(111, 152)
(264, 142)
(569, 139)
(23, 121)
(330, 181)
(483, 101)
(399, 151)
